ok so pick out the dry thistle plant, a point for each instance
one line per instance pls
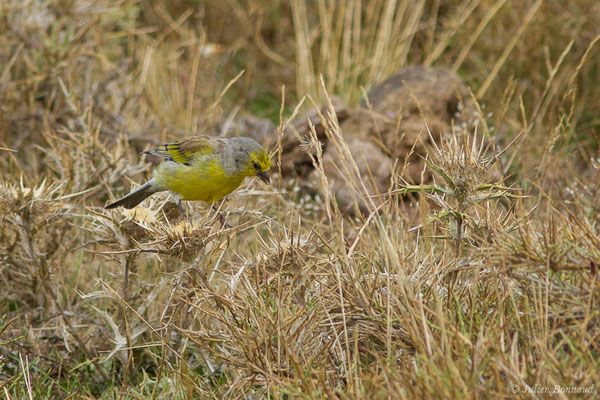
(463, 196)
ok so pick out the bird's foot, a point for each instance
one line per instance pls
(224, 222)
(183, 213)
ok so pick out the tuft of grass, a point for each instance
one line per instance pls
(352, 44)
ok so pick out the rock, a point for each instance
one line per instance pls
(261, 130)
(391, 128)
(401, 108)
(374, 168)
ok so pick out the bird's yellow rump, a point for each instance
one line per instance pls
(202, 168)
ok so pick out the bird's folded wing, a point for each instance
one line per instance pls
(185, 150)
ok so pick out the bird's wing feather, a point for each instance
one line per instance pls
(185, 150)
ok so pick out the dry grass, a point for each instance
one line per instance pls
(484, 288)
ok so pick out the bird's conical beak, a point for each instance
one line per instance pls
(264, 176)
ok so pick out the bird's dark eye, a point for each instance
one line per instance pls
(256, 166)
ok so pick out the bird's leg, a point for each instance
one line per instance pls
(222, 219)
(182, 211)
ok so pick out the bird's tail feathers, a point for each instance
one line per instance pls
(137, 196)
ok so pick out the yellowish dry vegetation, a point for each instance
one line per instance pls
(481, 284)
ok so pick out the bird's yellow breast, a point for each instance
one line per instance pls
(204, 180)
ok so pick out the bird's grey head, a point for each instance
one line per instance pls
(241, 154)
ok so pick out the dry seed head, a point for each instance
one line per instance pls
(142, 215)
(463, 160)
(143, 231)
(15, 196)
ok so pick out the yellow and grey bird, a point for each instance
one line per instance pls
(202, 168)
